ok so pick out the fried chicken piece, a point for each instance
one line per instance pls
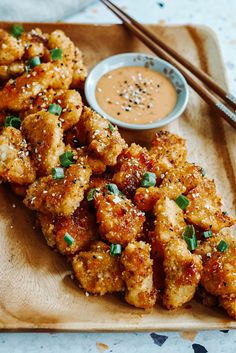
(58, 39)
(11, 48)
(178, 180)
(34, 43)
(81, 226)
(59, 196)
(119, 220)
(182, 273)
(170, 223)
(132, 164)
(102, 138)
(168, 150)
(96, 164)
(229, 304)
(79, 71)
(71, 104)
(12, 70)
(204, 209)
(138, 275)
(219, 271)
(45, 137)
(15, 164)
(97, 271)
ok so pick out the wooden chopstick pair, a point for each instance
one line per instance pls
(189, 71)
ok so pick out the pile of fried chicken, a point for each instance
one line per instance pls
(146, 223)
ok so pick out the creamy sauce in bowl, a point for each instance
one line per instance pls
(136, 94)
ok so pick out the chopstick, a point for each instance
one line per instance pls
(189, 71)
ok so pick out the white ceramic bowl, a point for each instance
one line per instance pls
(138, 59)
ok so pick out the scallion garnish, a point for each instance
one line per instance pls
(207, 234)
(58, 173)
(56, 54)
(34, 62)
(13, 121)
(182, 202)
(110, 126)
(16, 30)
(91, 193)
(68, 239)
(149, 179)
(222, 246)
(190, 237)
(66, 159)
(113, 189)
(203, 171)
(55, 109)
(115, 249)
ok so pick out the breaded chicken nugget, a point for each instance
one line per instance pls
(79, 71)
(119, 220)
(15, 164)
(59, 196)
(11, 48)
(204, 209)
(81, 226)
(95, 163)
(219, 270)
(101, 137)
(71, 104)
(34, 43)
(12, 70)
(229, 304)
(58, 39)
(182, 273)
(45, 137)
(132, 164)
(138, 275)
(97, 271)
(146, 198)
(167, 150)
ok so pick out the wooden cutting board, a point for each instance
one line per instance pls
(36, 291)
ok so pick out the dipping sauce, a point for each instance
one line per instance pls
(136, 94)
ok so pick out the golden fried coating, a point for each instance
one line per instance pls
(229, 304)
(15, 164)
(59, 196)
(146, 198)
(11, 48)
(58, 39)
(71, 104)
(34, 43)
(169, 222)
(182, 273)
(80, 225)
(132, 164)
(119, 220)
(102, 138)
(79, 71)
(138, 275)
(45, 137)
(204, 209)
(219, 270)
(12, 70)
(167, 150)
(97, 271)
(96, 164)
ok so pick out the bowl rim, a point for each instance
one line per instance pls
(148, 126)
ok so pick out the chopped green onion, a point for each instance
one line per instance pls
(34, 62)
(190, 237)
(149, 179)
(66, 159)
(110, 126)
(91, 193)
(113, 189)
(203, 171)
(207, 234)
(225, 213)
(115, 249)
(13, 121)
(55, 109)
(56, 54)
(16, 30)
(222, 246)
(189, 231)
(58, 173)
(69, 239)
(182, 202)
